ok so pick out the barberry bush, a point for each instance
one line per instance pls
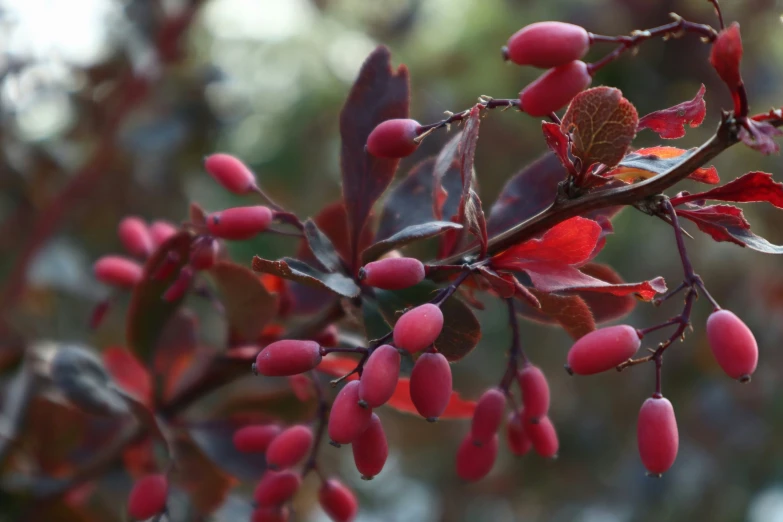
(359, 318)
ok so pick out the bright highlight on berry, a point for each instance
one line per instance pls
(394, 273)
(418, 328)
(393, 139)
(547, 44)
(230, 172)
(554, 89)
(603, 349)
(732, 344)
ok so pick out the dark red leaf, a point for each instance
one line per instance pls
(558, 143)
(726, 56)
(129, 373)
(570, 242)
(447, 181)
(554, 277)
(321, 247)
(602, 125)
(651, 161)
(569, 311)
(670, 123)
(407, 236)
(714, 219)
(470, 213)
(758, 136)
(248, 304)
(379, 94)
(503, 284)
(458, 408)
(295, 270)
(410, 202)
(750, 187)
(606, 307)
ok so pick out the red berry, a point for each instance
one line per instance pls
(239, 222)
(371, 449)
(276, 487)
(418, 328)
(518, 441)
(255, 438)
(554, 89)
(348, 419)
(535, 391)
(338, 501)
(431, 385)
(547, 44)
(161, 231)
(118, 271)
(148, 496)
(180, 286)
(289, 447)
(204, 254)
(726, 55)
(328, 337)
(733, 344)
(656, 432)
(302, 387)
(288, 357)
(603, 349)
(380, 375)
(271, 514)
(543, 437)
(488, 415)
(394, 273)
(393, 139)
(475, 461)
(135, 236)
(230, 172)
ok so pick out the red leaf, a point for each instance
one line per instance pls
(558, 143)
(715, 219)
(670, 123)
(337, 366)
(554, 277)
(458, 408)
(568, 243)
(602, 124)
(750, 187)
(758, 136)
(651, 161)
(726, 56)
(379, 94)
(129, 373)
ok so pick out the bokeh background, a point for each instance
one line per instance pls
(265, 80)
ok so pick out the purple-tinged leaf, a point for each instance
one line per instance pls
(295, 270)
(447, 182)
(758, 136)
(321, 247)
(379, 94)
(410, 202)
(670, 123)
(406, 236)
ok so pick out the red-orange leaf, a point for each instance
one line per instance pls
(726, 56)
(602, 124)
(129, 373)
(337, 366)
(570, 242)
(651, 161)
(458, 407)
(751, 187)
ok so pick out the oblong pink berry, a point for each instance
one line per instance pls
(430, 385)
(118, 271)
(255, 438)
(418, 328)
(535, 391)
(554, 89)
(656, 433)
(230, 172)
(348, 419)
(379, 376)
(288, 357)
(393, 138)
(474, 462)
(543, 437)
(276, 487)
(603, 349)
(239, 222)
(338, 501)
(732, 344)
(148, 496)
(547, 44)
(516, 438)
(371, 449)
(488, 415)
(394, 273)
(289, 447)
(135, 236)
(161, 231)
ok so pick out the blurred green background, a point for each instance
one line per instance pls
(265, 80)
